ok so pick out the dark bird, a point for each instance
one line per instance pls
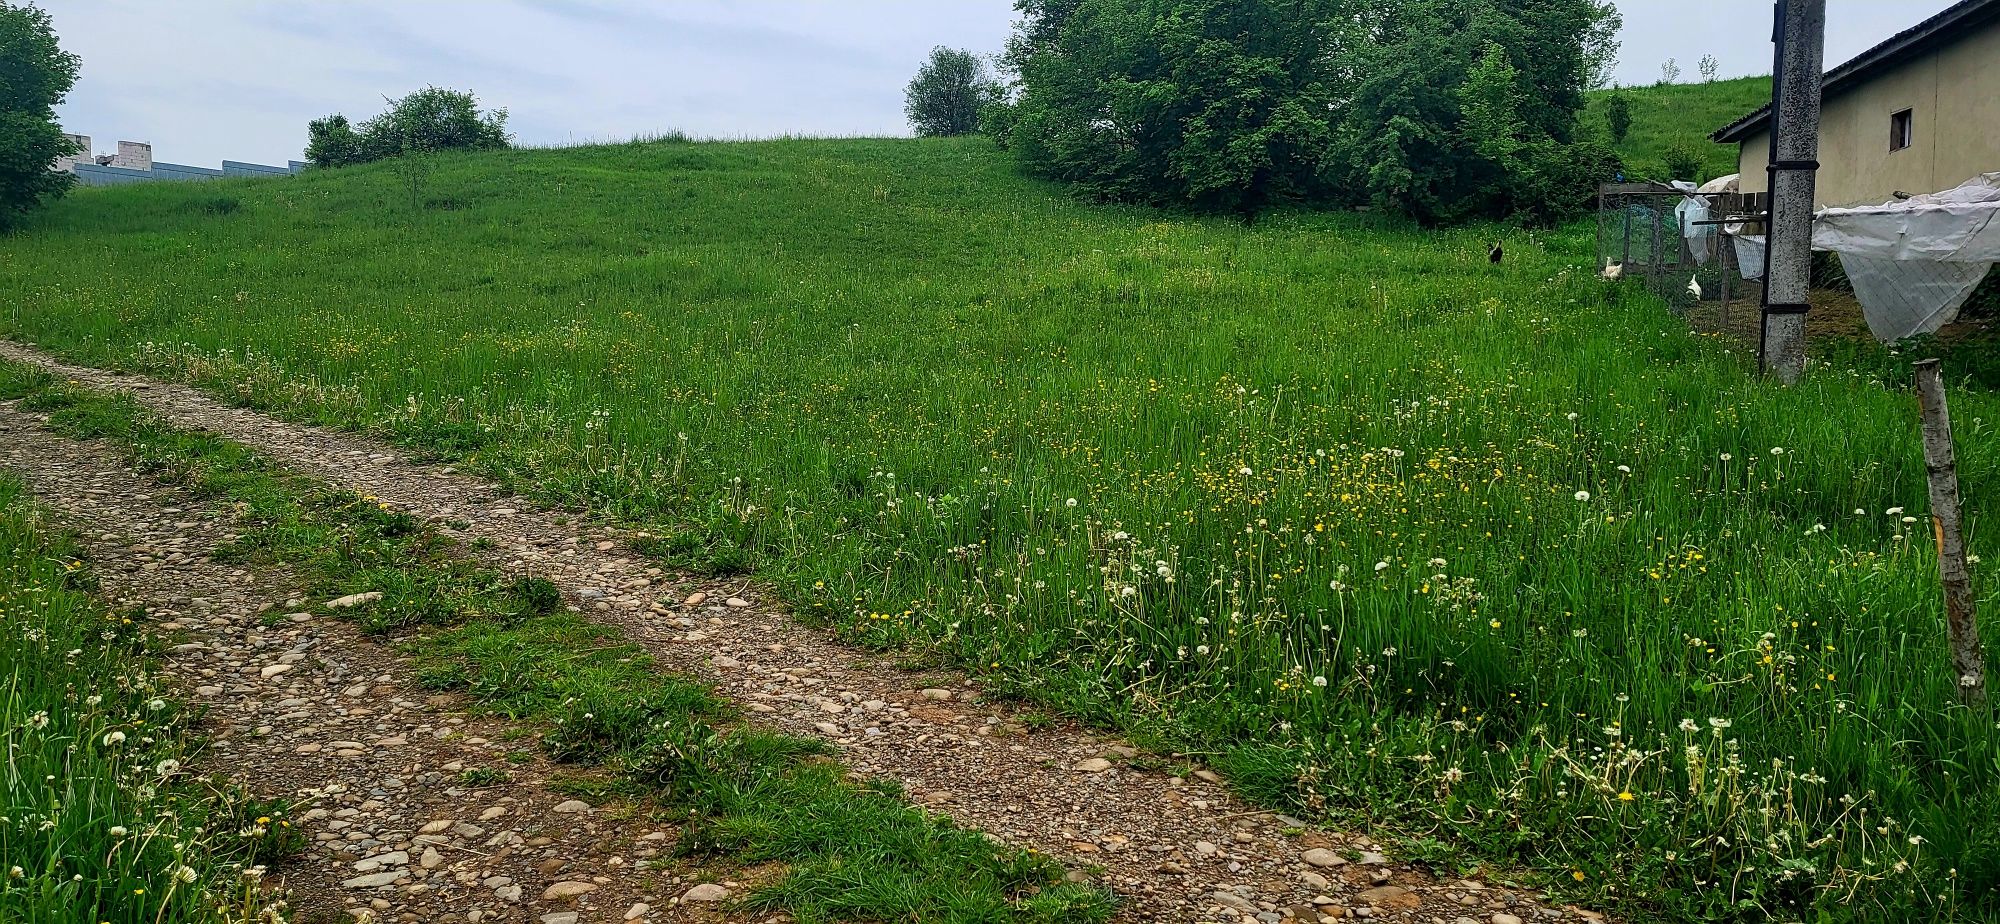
(1494, 253)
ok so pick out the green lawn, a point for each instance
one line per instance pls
(1690, 111)
(1501, 559)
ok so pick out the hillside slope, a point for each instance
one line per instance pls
(1662, 114)
(1379, 529)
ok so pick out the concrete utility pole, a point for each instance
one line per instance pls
(1800, 35)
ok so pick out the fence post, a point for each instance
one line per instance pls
(1968, 657)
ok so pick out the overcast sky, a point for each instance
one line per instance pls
(205, 80)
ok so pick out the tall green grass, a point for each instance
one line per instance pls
(1500, 558)
(1685, 112)
(99, 819)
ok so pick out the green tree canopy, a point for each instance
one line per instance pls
(1443, 109)
(949, 93)
(35, 75)
(428, 120)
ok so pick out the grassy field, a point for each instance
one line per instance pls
(1501, 559)
(99, 822)
(1662, 115)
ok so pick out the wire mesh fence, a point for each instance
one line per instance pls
(1673, 244)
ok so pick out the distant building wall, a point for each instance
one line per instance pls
(98, 175)
(134, 155)
(239, 168)
(164, 171)
(79, 155)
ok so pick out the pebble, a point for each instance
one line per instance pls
(736, 603)
(1322, 857)
(706, 892)
(353, 600)
(1502, 917)
(1093, 765)
(695, 599)
(637, 911)
(567, 889)
(572, 807)
(373, 880)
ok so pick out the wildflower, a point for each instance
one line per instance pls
(1201, 649)
(1860, 512)
(1909, 519)
(167, 767)
(1577, 875)
(1070, 503)
(1244, 471)
(1777, 450)
(1687, 725)
(1718, 724)
(1319, 681)
(118, 831)
(1627, 796)
(157, 705)
(185, 874)
(1627, 469)
(1381, 566)
(1437, 562)
(114, 738)
(1453, 775)
(1727, 457)
(1572, 415)
(1583, 496)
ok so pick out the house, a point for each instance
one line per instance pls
(1915, 114)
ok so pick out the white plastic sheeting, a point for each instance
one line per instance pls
(1691, 214)
(1915, 261)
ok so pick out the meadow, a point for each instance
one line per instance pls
(1662, 115)
(1502, 561)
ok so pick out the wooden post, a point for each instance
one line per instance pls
(1968, 657)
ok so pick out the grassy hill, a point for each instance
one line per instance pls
(1502, 558)
(1662, 114)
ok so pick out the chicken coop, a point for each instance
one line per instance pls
(1670, 238)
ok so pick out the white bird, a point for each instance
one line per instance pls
(1614, 271)
(1694, 288)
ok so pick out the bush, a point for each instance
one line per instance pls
(430, 120)
(1618, 117)
(1234, 106)
(1683, 161)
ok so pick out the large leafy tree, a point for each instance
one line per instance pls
(950, 91)
(35, 75)
(1442, 109)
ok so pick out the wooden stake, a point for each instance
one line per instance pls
(1968, 657)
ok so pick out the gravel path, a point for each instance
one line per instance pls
(1173, 848)
(301, 706)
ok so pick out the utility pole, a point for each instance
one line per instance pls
(1799, 32)
(1968, 658)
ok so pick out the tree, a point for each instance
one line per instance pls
(35, 75)
(332, 142)
(950, 93)
(1670, 72)
(1618, 117)
(427, 121)
(1709, 67)
(1238, 104)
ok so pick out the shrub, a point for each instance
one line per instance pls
(1233, 106)
(1683, 160)
(429, 120)
(1618, 117)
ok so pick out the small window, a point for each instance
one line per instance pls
(1902, 131)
